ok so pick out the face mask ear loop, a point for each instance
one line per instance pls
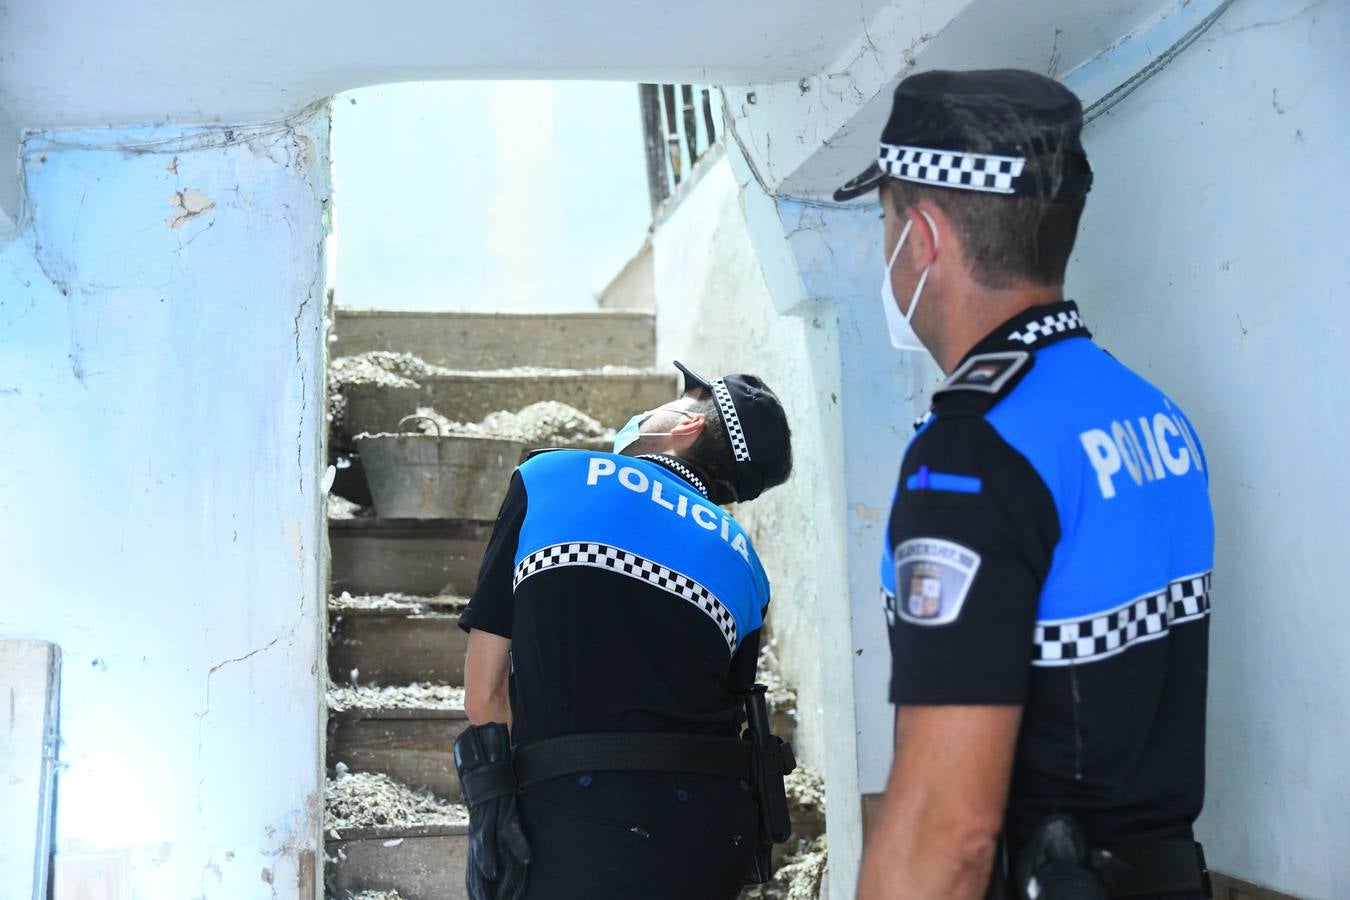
(923, 277)
(890, 264)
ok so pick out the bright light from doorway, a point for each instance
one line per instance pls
(516, 196)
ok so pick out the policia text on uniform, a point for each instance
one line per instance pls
(1046, 583)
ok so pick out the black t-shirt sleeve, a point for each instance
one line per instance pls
(490, 607)
(744, 663)
(973, 531)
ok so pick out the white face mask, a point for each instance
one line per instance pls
(902, 333)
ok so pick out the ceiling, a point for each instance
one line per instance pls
(139, 62)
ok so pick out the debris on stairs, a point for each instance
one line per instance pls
(412, 604)
(538, 424)
(383, 836)
(800, 864)
(344, 697)
(370, 799)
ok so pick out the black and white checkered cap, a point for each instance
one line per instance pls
(949, 168)
(975, 131)
(756, 427)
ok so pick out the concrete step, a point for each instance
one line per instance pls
(420, 862)
(407, 641)
(608, 396)
(580, 340)
(408, 556)
(414, 746)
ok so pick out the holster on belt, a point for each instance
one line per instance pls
(1058, 864)
(772, 760)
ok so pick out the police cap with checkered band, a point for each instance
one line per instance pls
(1001, 131)
(756, 427)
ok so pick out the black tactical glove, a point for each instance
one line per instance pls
(499, 855)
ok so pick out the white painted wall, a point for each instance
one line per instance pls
(1213, 259)
(715, 313)
(161, 398)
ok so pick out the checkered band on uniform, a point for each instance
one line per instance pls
(1055, 323)
(739, 448)
(951, 168)
(679, 468)
(1074, 641)
(603, 556)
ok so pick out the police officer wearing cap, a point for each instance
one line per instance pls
(1047, 566)
(615, 628)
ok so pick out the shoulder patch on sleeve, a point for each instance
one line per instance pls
(988, 373)
(932, 578)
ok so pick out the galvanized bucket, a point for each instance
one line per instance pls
(421, 476)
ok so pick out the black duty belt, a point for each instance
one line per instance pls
(639, 752)
(1158, 867)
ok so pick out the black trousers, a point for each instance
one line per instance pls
(620, 836)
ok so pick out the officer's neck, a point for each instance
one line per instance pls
(975, 310)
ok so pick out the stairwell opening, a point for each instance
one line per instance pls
(437, 389)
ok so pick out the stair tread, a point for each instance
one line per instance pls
(397, 712)
(344, 311)
(394, 832)
(407, 701)
(397, 604)
(420, 527)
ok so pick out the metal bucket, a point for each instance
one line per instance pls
(420, 476)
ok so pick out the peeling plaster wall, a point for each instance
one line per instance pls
(162, 401)
(715, 312)
(882, 392)
(1213, 259)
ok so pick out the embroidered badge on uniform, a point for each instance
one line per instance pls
(988, 373)
(933, 576)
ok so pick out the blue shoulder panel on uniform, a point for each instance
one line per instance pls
(1127, 476)
(637, 507)
(927, 480)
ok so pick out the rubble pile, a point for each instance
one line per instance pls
(799, 873)
(799, 876)
(394, 602)
(342, 508)
(538, 423)
(378, 367)
(342, 697)
(367, 799)
(780, 697)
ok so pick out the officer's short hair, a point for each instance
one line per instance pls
(1006, 239)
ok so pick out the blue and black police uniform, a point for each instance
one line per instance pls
(634, 606)
(1051, 546)
(1051, 541)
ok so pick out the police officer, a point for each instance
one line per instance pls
(615, 627)
(1047, 566)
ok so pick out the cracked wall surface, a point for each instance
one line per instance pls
(1210, 259)
(160, 390)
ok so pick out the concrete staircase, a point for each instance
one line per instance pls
(597, 362)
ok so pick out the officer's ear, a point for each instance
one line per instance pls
(690, 427)
(930, 228)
